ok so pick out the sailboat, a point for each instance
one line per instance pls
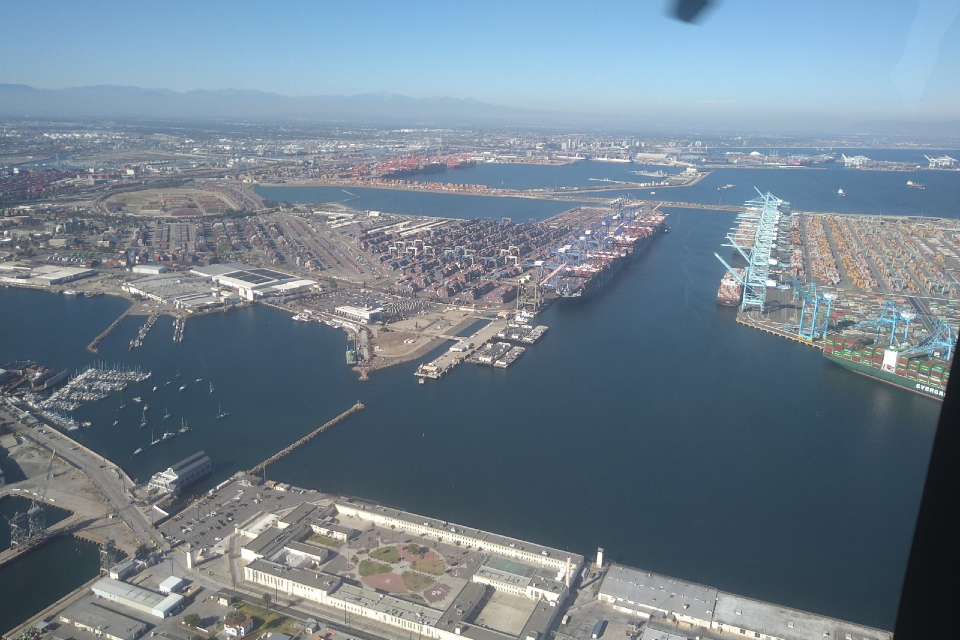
(166, 412)
(122, 405)
(143, 420)
(211, 388)
(183, 426)
(153, 439)
(221, 413)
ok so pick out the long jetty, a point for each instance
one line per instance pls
(93, 347)
(263, 465)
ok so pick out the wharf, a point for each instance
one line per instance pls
(509, 358)
(450, 359)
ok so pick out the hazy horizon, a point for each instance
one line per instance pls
(845, 66)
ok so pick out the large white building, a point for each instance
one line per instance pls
(137, 598)
(254, 283)
(649, 595)
(183, 473)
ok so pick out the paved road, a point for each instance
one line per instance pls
(106, 476)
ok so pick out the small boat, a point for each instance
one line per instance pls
(168, 435)
(840, 192)
(154, 388)
(221, 413)
(199, 380)
(915, 185)
(138, 450)
(148, 374)
(167, 382)
(138, 399)
(72, 427)
(86, 423)
(145, 407)
(182, 387)
(116, 422)
(421, 381)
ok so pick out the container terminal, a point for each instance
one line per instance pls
(878, 294)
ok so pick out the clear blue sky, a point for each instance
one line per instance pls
(751, 58)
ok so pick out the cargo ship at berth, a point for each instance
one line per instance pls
(625, 243)
(731, 290)
(926, 377)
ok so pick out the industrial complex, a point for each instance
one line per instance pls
(878, 295)
(346, 565)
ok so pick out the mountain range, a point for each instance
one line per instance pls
(18, 100)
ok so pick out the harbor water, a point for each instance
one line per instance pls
(40, 577)
(647, 422)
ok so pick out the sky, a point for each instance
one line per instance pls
(744, 59)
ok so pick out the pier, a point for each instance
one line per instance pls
(93, 347)
(313, 434)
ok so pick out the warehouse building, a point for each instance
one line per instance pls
(137, 598)
(251, 283)
(98, 620)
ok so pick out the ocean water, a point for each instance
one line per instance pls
(647, 422)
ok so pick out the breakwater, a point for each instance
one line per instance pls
(263, 465)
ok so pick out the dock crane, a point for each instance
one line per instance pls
(940, 343)
(38, 516)
(814, 300)
(890, 316)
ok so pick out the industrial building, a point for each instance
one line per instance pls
(649, 595)
(138, 598)
(183, 291)
(183, 473)
(150, 269)
(98, 620)
(42, 275)
(251, 283)
(360, 314)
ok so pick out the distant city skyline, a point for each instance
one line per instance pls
(793, 65)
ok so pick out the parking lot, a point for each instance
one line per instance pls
(208, 522)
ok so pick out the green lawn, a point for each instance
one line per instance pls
(371, 568)
(326, 541)
(266, 620)
(386, 554)
(415, 581)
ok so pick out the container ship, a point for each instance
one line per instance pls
(926, 377)
(730, 289)
(630, 239)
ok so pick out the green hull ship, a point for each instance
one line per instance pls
(926, 377)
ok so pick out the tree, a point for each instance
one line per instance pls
(266, 599)
(191, 620)
(237, 616)
(142, 549)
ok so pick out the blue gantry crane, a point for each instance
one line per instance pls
(818, 304)
(939, 344)
(893, 318)
(766, 210)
